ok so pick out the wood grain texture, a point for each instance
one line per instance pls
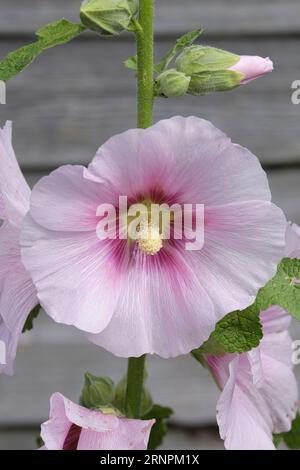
(53, 358)
(172, 16)
(76, 96)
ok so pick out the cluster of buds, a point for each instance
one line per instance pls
(108, 17)
(200, 70)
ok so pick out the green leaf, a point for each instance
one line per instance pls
(283, 289)
(119, 400)
(31, 317)
(159, 429)
(97, 392)
(237, 332)
(53, 34)
(184, 41)
(39, 441)
(131, 63)
(290, 438)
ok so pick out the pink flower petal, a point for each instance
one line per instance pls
(98, 431)
(243, 422)
(240, 253)
(252, 67)
(70, 199)
(14, 191)
(162, 309)
(74, 274)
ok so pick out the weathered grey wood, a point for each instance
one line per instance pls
(54, 357)
(75, 97)
(172, 16)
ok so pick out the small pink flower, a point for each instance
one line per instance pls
(259, 390)
(168, 303)
(73, 427)
(17, 293)
(252, 67)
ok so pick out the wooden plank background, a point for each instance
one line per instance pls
(76, 96)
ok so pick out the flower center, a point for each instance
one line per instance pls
(149, 238)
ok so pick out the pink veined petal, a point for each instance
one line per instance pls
(280, 386)
(162, 309)
(243, 421)
(75, 275)
(131, 434)
(187, 158)
(243, 244)
(292, 249)
(252, 67)
(17, 293)
(274, 320)
(10, 342)
(15, 192)
(66, 201)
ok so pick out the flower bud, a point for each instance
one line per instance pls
(207, 82)
(252, 67)
(172, 83)
(108, 17)
(97, 392)
(198, 59)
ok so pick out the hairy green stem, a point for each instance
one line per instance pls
(144, 38)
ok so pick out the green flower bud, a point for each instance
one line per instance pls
(108, 17)
(172, 83)
(198, 59)
(97, 392)
(207, 82)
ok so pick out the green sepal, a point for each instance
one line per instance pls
(131, 63)
(208, 82)
(172, 83)
(159, 429)
(108, 17)
(97, 392)
(119, 400)
(30, 319)
(197, 59)
(182, 42)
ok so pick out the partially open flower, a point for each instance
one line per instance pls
(17, 292)
(154, 293)
(73, 427)
(213, 69)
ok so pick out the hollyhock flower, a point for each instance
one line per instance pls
(73, 427)
(252, 67)
(17, 293)
(259, 391)
(259, 395)
(152, 295)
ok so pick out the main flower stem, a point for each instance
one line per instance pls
(144, 38)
